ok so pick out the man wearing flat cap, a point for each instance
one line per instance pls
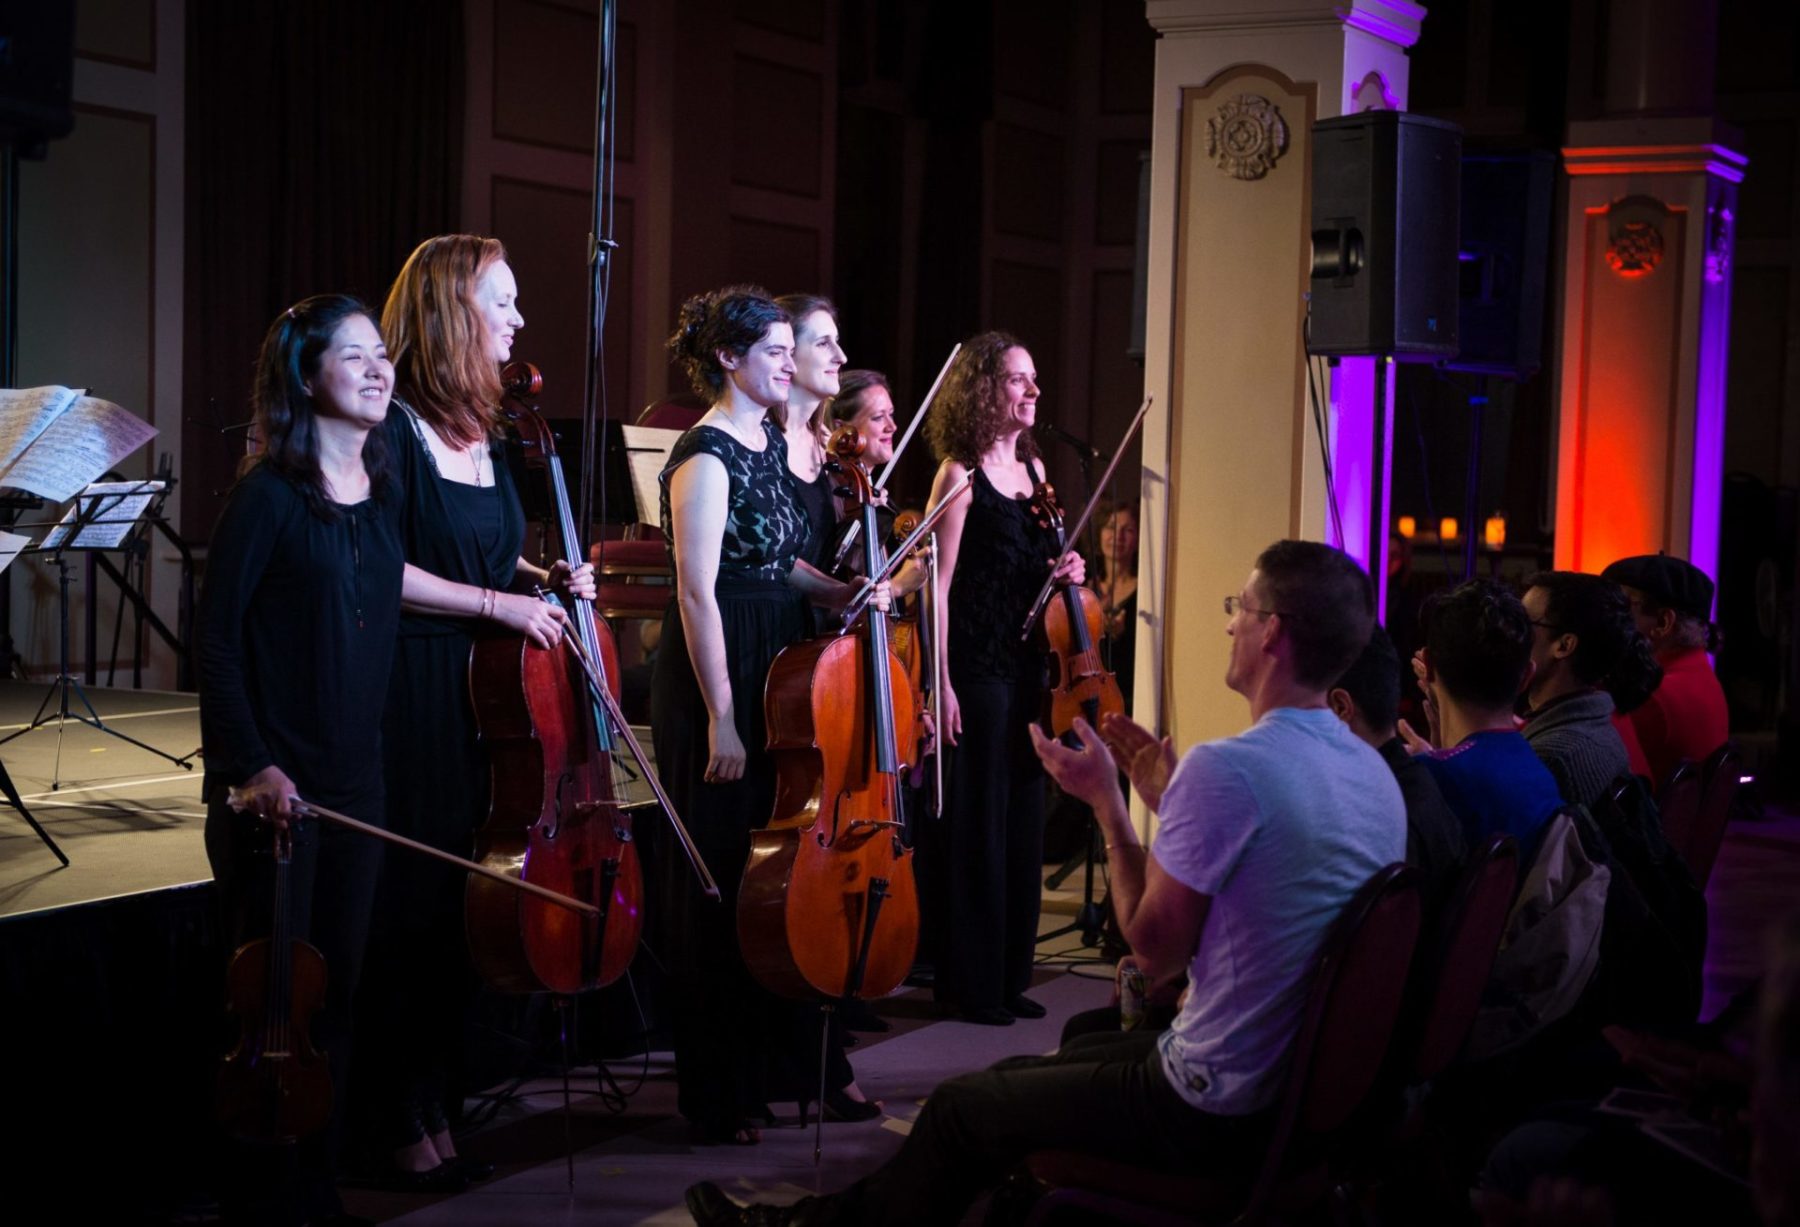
(1671, 600)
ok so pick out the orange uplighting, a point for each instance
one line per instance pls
(1448, 528)
(1494, 532)
(1406, 526)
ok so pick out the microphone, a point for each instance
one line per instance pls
(1074, 440)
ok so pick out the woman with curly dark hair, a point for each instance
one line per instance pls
(736, 530)
(1589, 659)
(980, 863)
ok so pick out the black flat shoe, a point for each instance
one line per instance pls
(1021, 1006)
(444, 1178)
(710, 1207)
(470, 1169)
(986, 1015)
(840, 1107)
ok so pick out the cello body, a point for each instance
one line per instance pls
(553, 821)
(805, 900)
(553, 818)
(827, 907)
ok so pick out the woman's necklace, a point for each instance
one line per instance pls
(475, 453)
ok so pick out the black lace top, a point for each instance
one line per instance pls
(1002, 562)
(765, 527)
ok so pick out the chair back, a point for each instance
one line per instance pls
(1454, 970)
(1678, 799)
(1349, 1018)
(1720, 778)
(673, 412)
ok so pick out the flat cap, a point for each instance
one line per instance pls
(1673, 583)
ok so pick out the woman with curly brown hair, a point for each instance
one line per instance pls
(980, 863)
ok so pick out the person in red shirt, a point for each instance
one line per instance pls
(1671, 601)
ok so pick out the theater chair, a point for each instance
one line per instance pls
(1351, 1008)
(1454, 968)
(1720, 778)
(1678, 800)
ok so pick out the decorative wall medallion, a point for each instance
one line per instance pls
(1246, 136)
(1635, 250)
(1718, 242)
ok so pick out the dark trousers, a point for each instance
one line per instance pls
(331, 887)
(1100, 1094)
(979, 863)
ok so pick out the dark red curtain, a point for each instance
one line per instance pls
(323, 143)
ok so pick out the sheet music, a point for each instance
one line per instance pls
(110, 510)
(10, 546)
(24, 413)
(63, 440)
(647, 450)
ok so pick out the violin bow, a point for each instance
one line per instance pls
(604, 695)
(939, 679)
(1043, 596)
(306, 809)
(849, 540)
(897, 558)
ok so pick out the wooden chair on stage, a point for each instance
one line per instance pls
(1349, 1019)
(633, 571)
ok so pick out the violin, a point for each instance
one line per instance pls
(554, 818)
(1080, 684)
(273, 1085)
(827, 907)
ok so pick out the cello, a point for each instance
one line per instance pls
(827, 908)
(554, 819)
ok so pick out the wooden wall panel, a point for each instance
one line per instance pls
(544, 63)
(115, 31)
(1028, 302)
(545, 231)
(804, 19)
(781, 259)
(1034, 39)
(777, 125)
(1116, 196)
(1029, 178)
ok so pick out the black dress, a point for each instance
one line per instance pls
(296, 640)
(420, 980)
(979, 864)
(727, 1028)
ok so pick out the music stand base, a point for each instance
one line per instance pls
(11, 791)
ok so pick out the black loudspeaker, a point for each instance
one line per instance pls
(37, 72)
(1384, 222)
(1505, 258)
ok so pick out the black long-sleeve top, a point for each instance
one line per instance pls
(296, 637)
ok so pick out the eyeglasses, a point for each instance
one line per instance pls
(1234, 603)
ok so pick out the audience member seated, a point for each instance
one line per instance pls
(1586, 654)
(1264, 838)
(1476, 660)
(1367, 698)
(1671, 600)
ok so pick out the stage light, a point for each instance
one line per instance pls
(1448, 528)
(1406, 526)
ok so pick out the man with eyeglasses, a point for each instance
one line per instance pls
(1264, 838)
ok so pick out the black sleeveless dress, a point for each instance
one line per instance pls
(727, 1029)
(980, 863)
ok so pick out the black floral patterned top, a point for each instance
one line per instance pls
(765, 527)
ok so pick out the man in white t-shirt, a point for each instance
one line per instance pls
(1264, 838)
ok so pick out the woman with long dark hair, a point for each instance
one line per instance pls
(736, 532)
(296, 636)
(1588, 659)
(980, 868)
(449, 320)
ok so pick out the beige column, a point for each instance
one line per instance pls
(1646, 300)
(1231, 458)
